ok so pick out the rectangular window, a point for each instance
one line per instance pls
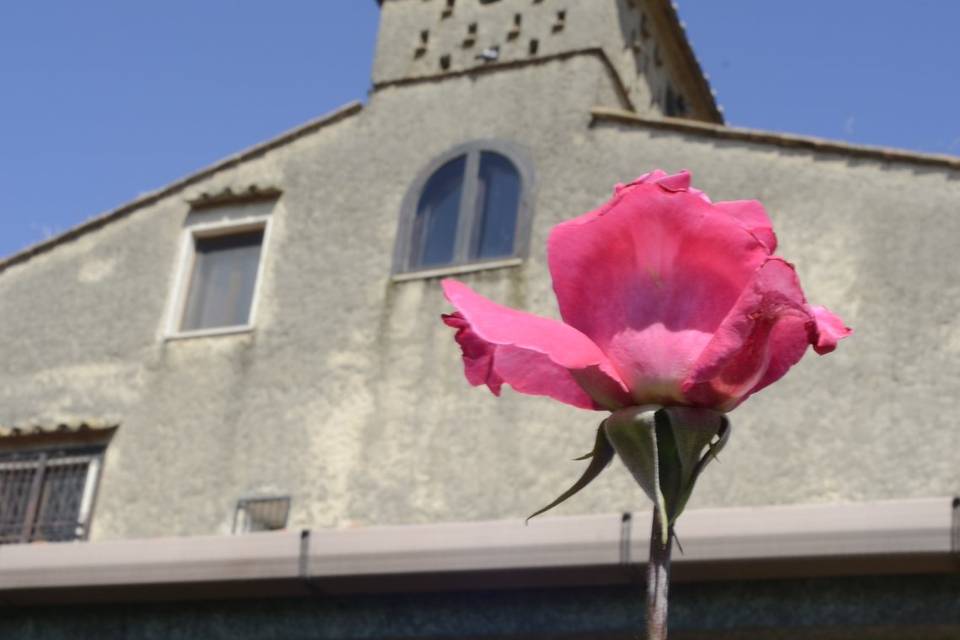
(47, 495)
(223, 280)
(219, 271)
(261, 514)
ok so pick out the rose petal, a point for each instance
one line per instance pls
(754, 219)
(830, 330)
(651, 176)
(677, 182)
(765, 334)
(649, 277)
(477, 354)
(534, 355)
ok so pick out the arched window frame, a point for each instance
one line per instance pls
(468, 217)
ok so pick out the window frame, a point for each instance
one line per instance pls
(42, 458)
(468, 215)
(187, 263)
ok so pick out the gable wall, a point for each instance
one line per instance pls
(349, 395)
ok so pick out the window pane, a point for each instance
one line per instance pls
(435, 228)
(53, 513)
(498, 198)
(16, 480)
(224, 275)
(58, 512)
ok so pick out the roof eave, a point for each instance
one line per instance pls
(890, 537)
(786, 140)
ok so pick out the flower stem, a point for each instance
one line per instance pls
(658, 579)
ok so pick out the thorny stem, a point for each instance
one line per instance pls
(658, 579)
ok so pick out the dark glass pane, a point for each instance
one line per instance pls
(498, 198)
(58, 512)
(224, 275)
(16, 480)
(435, 227)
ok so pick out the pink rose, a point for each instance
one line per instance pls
(667, 299)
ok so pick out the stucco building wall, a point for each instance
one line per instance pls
(349, 393)
(422, 39)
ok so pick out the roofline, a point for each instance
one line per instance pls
(891, 537)
(602, 114)
(789, 140)
(153, 196)
(59, 434)
(671, 19)
(598, 52)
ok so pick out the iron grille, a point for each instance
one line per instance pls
(261, 514)
(47, 495)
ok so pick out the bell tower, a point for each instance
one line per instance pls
(641, 41)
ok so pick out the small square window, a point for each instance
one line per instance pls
(223, 280)
(261, 514)
(219, 276)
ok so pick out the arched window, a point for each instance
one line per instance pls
(468, 209)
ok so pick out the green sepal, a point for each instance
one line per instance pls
(663, 448)
(633, 434)
(700, 434)
(600, 457)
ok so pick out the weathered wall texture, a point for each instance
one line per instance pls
(349, 395)
(419, 39)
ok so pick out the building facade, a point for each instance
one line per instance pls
(269, 326)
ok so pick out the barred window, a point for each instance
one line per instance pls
(261, 514)
(47, 495)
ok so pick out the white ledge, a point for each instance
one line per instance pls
(209, 333)
(455, 270)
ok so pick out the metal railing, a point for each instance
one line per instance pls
(47, 495)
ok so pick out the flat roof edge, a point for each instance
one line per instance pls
(890, 537)
(787, 140)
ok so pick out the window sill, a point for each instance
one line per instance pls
(209, 333)
(456, 269)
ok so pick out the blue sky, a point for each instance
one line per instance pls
(106, 99)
